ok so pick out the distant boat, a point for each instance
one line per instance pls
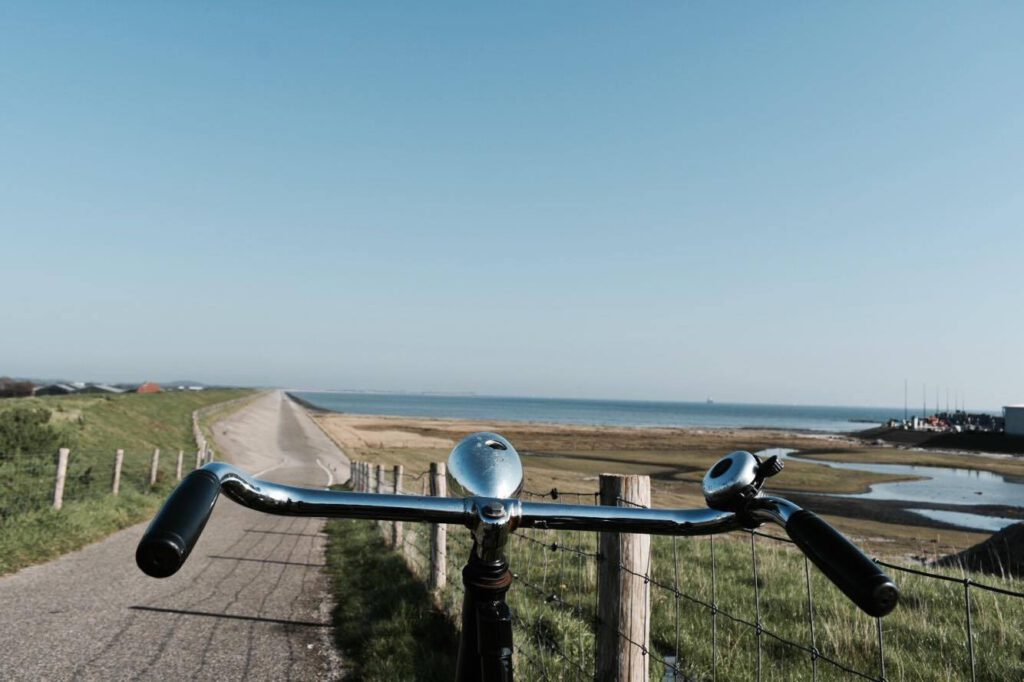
(711, 401)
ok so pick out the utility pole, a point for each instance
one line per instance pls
(924, 400)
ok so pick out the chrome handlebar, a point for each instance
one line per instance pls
(483, 462)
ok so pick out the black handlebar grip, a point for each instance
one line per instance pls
(855, 574)
(170, 537)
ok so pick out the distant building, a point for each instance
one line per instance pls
(9, 388)
(56, 389)
(1013, 420)
(101, 388)
(149, 387)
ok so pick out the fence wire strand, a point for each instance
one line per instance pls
(554, 605)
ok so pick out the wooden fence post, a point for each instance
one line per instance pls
(118, 461)
(199, 454)
(623, 596)
(397, 529)
(438, 531)
(62, 473)
(154, 466)
(378, 477)
(359, 478)
(177, 470)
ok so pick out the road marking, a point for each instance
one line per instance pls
(330, 476)
(269, 469)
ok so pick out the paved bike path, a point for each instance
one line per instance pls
(248, 604)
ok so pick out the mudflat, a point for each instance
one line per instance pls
(570, 457)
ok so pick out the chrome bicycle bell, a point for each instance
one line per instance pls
(736, 479)
(485, 465)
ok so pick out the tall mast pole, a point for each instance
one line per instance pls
(904, 400)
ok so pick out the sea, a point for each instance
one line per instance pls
(711, 415)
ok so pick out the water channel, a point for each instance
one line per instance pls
(946, 485)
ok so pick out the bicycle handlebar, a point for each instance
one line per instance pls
(859, 578)
(173, 533)
(171, 536)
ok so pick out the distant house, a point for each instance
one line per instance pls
(9, 388)
(101, 388)
(149, 387)
(56, 389)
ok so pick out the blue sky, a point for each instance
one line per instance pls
(801, 202)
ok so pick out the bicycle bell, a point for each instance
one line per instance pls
(485, 465)
(736, 479)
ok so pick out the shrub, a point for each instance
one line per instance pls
(27, 431)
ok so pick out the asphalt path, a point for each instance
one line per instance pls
(250, 603)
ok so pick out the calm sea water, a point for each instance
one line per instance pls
(608, 412)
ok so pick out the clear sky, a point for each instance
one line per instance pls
(760, 202)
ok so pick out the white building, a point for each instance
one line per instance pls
(1014, 416)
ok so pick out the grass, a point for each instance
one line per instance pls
(554, 603)
(554, 597)
(44, 534)
(385, 623)
(94, 427)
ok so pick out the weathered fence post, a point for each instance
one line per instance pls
(438, 531)
(397, 529)
(378, 478)
(177, 470)
(199, 455)
(118, 461)
(62, 473)
(360, 478)
(154, 466)
(623, 594)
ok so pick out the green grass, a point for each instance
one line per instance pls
(44, 534)
(554, 603)
(385, 622)
(94, 427)
(131, 421)
(924, 639)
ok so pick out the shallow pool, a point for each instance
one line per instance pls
(943, 485)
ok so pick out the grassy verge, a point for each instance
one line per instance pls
(94, 427)
(44, 534)
(385, 622)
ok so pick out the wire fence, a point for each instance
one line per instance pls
(29, 482)
(33, 482)
(747, 605)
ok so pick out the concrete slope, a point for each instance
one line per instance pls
(250, 603)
